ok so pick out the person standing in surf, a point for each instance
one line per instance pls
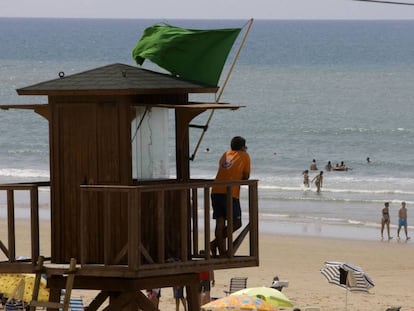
(313, 166)
(318, 181)
(402, 221)
(306, 178)
(385, 220)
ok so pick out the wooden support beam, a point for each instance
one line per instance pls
(4, 249)
(11, 226)
(160, 214)
(184, 199)
(121, 254)
(144, 303)
(107, 225)
(229, 233)
(146, 254)
(193, 295)
(194, 218)
(134, 231)
(98, 301)
(34, 223)
(207, 223)
(238, 241)
(254, 220)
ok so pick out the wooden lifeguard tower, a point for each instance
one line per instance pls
(113, 206)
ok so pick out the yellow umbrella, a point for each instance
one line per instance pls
(268, 294)
(238, 303)
(20, 286)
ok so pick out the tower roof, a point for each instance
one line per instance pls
(116, 79)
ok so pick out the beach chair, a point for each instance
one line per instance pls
(236, 283)
(75, 304)
(279, 285)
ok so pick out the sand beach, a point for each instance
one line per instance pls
(329, 101)
(299, 259)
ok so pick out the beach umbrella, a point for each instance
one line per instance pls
(238, 303)
(268, 294)
(348, 276)
(20, 286)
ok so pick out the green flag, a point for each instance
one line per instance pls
(194, 55)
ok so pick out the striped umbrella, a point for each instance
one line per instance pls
(347, 276)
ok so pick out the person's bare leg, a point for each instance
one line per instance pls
(207, 297)
(388, 230)
(184, 301)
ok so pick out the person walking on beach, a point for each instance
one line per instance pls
(402, 221)
(385, 220)
(154, 295)
(206, 282)
(318, 181)
(234, 164)
(178, 292)
(306, 178)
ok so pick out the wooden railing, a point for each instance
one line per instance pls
(194, 237)
(33, 189)
(138, 258)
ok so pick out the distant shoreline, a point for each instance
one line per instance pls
(276, 228)
(326, 231)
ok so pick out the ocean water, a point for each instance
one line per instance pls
(325, 90)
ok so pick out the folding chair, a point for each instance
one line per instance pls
(75, 304)
(279, 285)
(236, 284)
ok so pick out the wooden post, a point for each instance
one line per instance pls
(11, 226)
(207, 222)
(34, 222)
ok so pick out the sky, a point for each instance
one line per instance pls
(206, 9)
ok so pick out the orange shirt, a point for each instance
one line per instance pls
(233, 165)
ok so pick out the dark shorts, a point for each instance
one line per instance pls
(218, 201)
(178, 292)
(402, 222)
(205, 286)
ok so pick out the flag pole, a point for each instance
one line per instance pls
(234, 60)
(236, 56)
